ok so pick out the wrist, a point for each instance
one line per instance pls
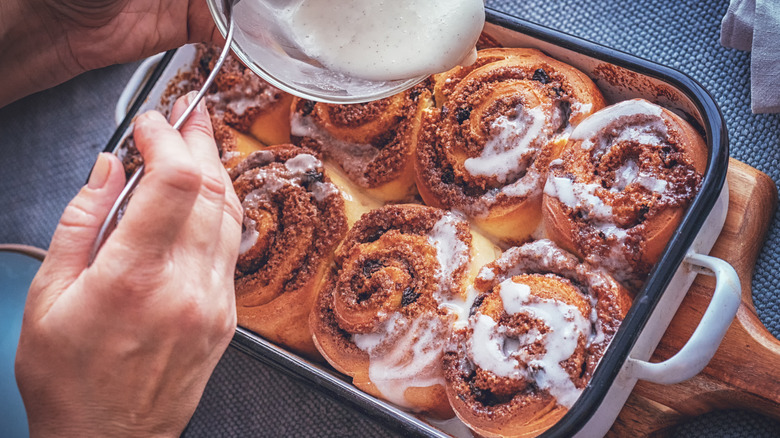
(33, 50)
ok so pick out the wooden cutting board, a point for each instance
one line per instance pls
(745, 371)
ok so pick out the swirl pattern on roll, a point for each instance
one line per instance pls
(373, 142)
(621, 186)
(293, 220)
(536, 331)
(484, 148)
(382, 315)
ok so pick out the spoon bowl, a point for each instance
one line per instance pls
(265, 46)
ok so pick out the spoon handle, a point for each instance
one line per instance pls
(115, 214)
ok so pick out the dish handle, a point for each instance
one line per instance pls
(697, 352)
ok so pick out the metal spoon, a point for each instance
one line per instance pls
(111, 221)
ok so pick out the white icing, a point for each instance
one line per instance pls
(492, 350)
(459, 307)
(252, 92)
(629, 173)
(578, 196)
(451, 252)
(370, 341)
(510, 142)
(525, 186)
(384, 40)
(487, 348)
(404, 354)
(229, 155)
(321, 190)
(486, 274)
(625, 175)
(581, 108)
(302, 163)
(271, 180)
(596, 337)
(599, 120)
(249, 235)
(652, 183)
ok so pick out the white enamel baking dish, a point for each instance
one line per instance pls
(620, 76)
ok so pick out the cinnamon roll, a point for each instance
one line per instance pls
(621, 185)
(536, 331)
(388, 306)
(484, 148)
(293, 220)
(372, 143)
(241, 100)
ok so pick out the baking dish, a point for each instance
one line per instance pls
(619, 76)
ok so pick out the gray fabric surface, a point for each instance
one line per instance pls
(754, 25)
(49, 141)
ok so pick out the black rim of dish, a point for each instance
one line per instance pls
(643, 305)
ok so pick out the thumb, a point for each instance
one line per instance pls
(80, 222)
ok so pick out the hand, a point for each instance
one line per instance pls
(105, 32)
(126, 345)
(46, 42)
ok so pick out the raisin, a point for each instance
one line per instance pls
(307, 107)
(312, 176)
(462, 114)
(370, 267)
(541, 76)
(477, 302)
(409, 296)
(447, 176)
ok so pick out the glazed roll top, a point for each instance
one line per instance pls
(372, 143)
(621, 186)
(293, 220)
(536, 332)
(485, 147)
(384, 313)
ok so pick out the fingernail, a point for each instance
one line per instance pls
(201, 105)
(99, 175)
(155, 115)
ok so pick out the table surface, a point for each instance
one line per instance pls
(49, 141)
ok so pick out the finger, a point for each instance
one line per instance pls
(165, 195)
(81, 221)
(205, 221)
(230, 233)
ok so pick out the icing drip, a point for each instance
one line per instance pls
(460, 308)
(600, 120)
(451, 252)
(249, 235)
(404, 354)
